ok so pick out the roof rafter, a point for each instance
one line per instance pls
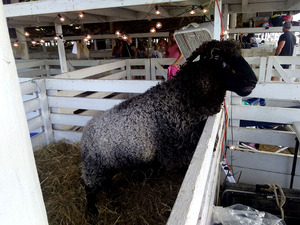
(116, 12)
(60, 6)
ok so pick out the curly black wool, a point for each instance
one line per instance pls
(166, 122)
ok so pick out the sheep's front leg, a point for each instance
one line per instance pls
(91, 200)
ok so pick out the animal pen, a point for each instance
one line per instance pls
(59, 106)
(65, 102)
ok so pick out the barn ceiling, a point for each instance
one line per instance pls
(44, 13)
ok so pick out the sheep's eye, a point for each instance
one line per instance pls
(224, 64)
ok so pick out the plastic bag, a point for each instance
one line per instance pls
(242, 214)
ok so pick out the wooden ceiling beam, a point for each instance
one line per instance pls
(149, 10)
(60, 6)
(116, 12)
(263, 7)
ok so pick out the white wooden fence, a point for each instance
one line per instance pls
(198, 192)
(47, 119)
(272, 168)
(149, 69)
(200, 186)
(47, 67)
(152, 69)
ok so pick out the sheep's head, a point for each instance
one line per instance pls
(230, 69)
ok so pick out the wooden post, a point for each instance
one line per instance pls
(232, 24)
(217, 21)
(128, 69)
(61, 49)
(45, 111)
(225, 18)
(95, 45)
(47, 67)
(20, 192)
(22, 41)
(147, 68)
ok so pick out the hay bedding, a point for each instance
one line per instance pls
(139, 197)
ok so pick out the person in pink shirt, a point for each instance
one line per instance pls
(173, 52)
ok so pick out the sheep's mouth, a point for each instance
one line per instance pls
(246, 90)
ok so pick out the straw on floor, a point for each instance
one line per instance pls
(138, 197)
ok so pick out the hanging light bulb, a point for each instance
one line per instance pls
(33, 42)
(225, 32)
(86, 39)
(16, 44)
(117, 33)
(81, 15)
(152, 30)
(26, 34)
(158, 25)
(42, 41)
(88, 36)
(232, 147)
(204, 10)
(157, 12)
(193, 12)
(55, 38)
(125, 37)
(61, 18)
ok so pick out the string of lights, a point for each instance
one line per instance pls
(158, 25)
(193, 10)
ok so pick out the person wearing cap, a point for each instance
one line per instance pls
(286, 43)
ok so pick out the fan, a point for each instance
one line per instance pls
(190, 37)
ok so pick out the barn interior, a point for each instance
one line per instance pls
(55, 192)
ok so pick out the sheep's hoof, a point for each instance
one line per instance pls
(92, 210)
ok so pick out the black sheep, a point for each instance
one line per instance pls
(166, 122)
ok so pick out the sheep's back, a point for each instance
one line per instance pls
(157, 123)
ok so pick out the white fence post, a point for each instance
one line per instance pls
(61, 49)
(20, 192)
(152, 69)
(128, 69)
(45, 111)
(262, 70)
(147, 68)
(47, 67)
(269, 68)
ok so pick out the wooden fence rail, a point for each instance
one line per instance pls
(282, 107)
(264, 67)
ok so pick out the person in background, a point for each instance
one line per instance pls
(126, 49)
(141, 51)
(155, 52)
(251, 40)
(173, 52)
(116, 52)
(163, 46)
(286, 43)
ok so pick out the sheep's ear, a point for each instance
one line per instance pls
(215, 53)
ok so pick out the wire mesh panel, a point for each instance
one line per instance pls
(192, 36)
